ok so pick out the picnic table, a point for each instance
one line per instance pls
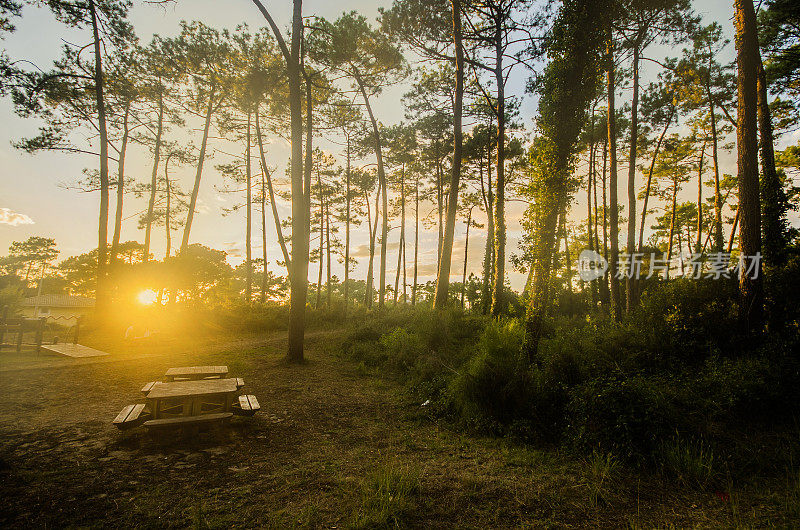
(188, 403)
(196, 372)
(183, 400)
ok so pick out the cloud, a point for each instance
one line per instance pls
(362, 251)
(234, 249)
(7, 217)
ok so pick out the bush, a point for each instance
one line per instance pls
(494, 388)
(624, 415)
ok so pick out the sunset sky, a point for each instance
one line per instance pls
(35, 194)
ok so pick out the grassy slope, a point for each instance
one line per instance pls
(331, 448)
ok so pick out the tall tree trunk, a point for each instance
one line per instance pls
(120, 185)
(154, 177)
(103, 295)
(249, 234)
(443, 279)
(673, 213)
(717, 193)
(488, 255)
(196, 188)
(698, 242)
(265, 275)
(382, 185)
(321, 237)
(747, 60)
(589, 180)
(605, 293)
(300, 227)
(774, 241)
(500, 206)
(167, 212)
(614, 214)
(327, 255)
(650, 177)
(347, 231)
(373, 234)
(631, 290)
(733, 231)
(416, 241)
(401, 247)
(439, 209)
(275, 215)
(466, 257)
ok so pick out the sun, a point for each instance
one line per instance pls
(147, 297)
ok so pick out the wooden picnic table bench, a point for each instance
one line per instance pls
(189, 373)
(188, 404)
(188, 421)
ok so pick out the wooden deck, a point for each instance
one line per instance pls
(73, 350)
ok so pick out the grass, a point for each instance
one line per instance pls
(690, 462)
(334, 446)
(387, 496)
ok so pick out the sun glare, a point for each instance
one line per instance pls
(147, 297)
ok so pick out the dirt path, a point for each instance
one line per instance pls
(331, 448)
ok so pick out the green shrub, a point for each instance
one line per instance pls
(623, 415)
(494, 387)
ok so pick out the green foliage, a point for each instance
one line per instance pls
(623, 415)
(494, 386)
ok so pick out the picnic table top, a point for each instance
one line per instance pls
(196, 370)
(192, 388)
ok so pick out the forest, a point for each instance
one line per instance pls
(565, 234)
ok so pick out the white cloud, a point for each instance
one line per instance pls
(7, 217)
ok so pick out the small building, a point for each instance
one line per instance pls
(59, 308)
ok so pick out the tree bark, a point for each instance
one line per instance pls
(772, 223)
(698, 242)
(631, 290)
(167, 217)
(382, 185)
(321, 238)
(300, 228)
(498, 295)
(196, 188)
(275, 215)
(488, 255)
(589, 180)
(416, 241)
(614, 214)
(443, 279)
(154, 178)
(747, 60)
(650, 177)
(249, 230)
(347, 231)
(714, 144)
(120, 185)
(102, 293)
(265, 275)
(466, 257)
